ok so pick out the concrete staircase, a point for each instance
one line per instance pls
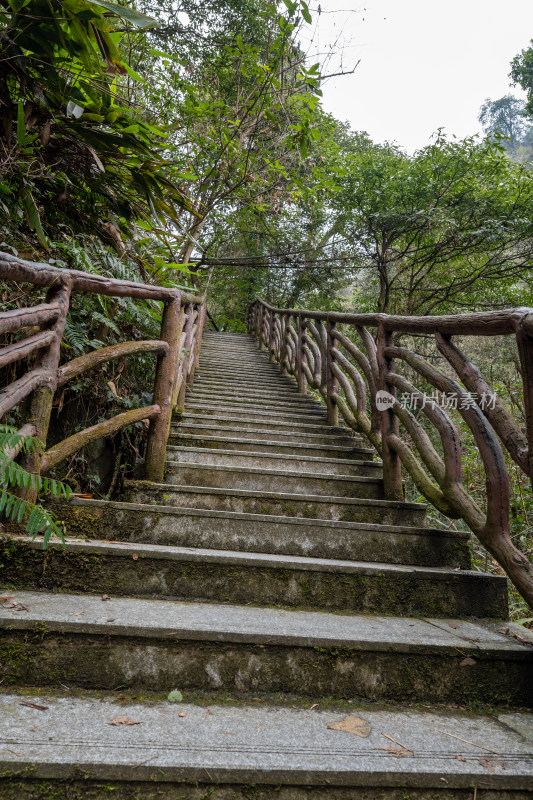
(270, 583)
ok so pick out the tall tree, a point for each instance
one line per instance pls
(504, 116)
(436, 230)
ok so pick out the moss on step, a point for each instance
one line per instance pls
(243, 670)
(396, 593)
(16, 787)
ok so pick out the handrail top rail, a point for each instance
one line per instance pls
(487, 323)
(42, 274)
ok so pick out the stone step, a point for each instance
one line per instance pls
(268, 373)
(264, 422)
(314, 415)
(245, 501)
(264, 533)
(237, 752)
(242, 431)
(225, 371)
(160, 645)
(270, 447)
(220, 576)
(231, 393)
(274, 480)
(239, 458)
(252, 386)
(227, 397)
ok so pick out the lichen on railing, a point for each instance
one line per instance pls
(353, 362)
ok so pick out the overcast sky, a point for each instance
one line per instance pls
(423, 64)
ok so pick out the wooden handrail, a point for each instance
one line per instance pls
(480, 323)
(16, 269)
(46, 376)
(360, 376)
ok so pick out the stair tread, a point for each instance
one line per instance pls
(264, 745)
(279, 472)
(276, 443)
(276, 456)
(272, 518)
(353, 501)
(126, 616)
(270, 560)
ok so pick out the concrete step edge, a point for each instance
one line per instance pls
(268, 746)
(247, 558)
(279, 456)
(214, 622)
(277, 472)
(300, 447)
(145, 508)
(252, 493)
(288, 427)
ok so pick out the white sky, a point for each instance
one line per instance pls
(424, 64)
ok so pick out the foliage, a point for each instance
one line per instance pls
(522, 74)
(504, 116)
(73, 147)
(37, 519)
(437, 231)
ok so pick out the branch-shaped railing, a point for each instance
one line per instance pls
(177, 349)
(365, 377)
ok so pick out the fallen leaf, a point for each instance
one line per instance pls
(351, 725)
(135, 557)
(460, 758)
(490, 765)
(123, 721)
(398, 752)
(78, 613)
(182, 714)
(5, 599)
(110, 619)
(520, 638)
(106, 597)
(467, 662)
(113, 389)
(33, 705)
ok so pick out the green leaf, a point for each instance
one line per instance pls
(305, 12)
(33, 216)
(21, 127)
(137, 19)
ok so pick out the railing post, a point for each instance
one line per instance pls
(263, 328)
(392, 467)
(301, 358)
(42, 398)
(187, 330)
(332, 384)
(165, 377)
(202, 315)
(272, 338)
(525, 351)
(284, 353)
